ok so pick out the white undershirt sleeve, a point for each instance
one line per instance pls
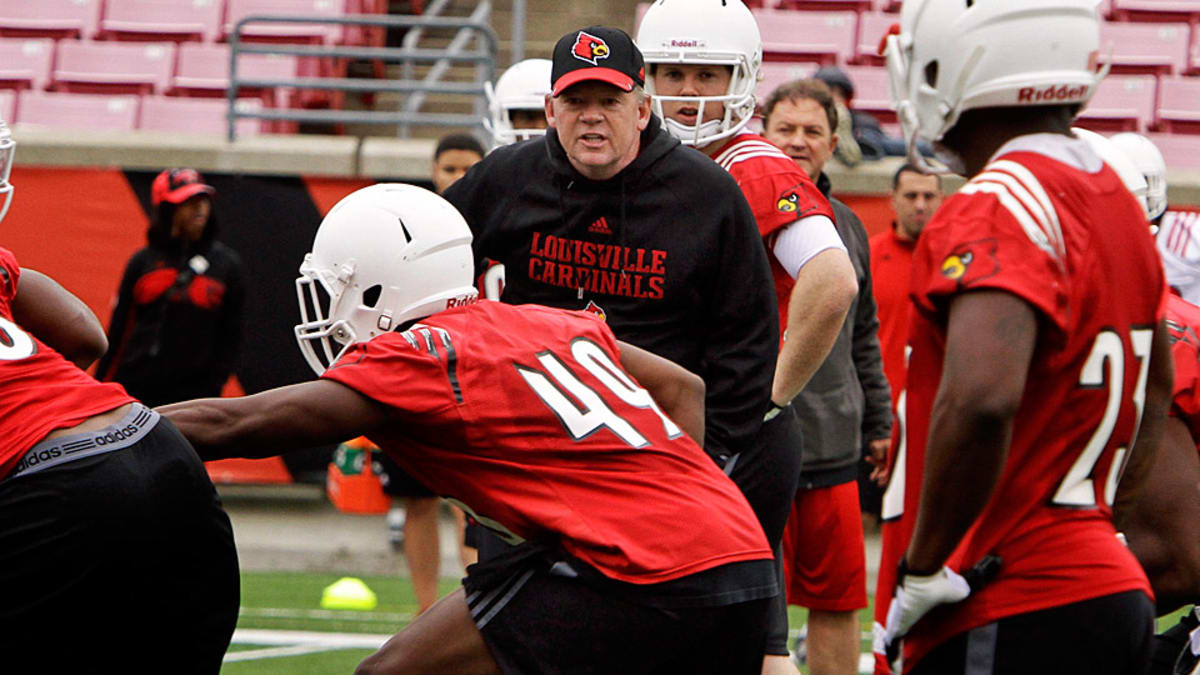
(803, 240)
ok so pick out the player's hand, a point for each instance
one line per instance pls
(915, 596)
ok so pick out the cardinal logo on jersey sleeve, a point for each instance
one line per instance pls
(795, 201)
(590, 48)
(593, 308)
(971, 262)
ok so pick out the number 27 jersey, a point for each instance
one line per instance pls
(1047, 222)
(524, 415)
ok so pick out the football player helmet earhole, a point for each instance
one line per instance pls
(385, 255)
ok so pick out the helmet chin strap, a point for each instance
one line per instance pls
(693, 135)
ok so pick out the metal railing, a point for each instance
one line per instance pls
(483, 57)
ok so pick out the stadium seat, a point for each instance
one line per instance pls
(1179, 104)
(312, 32)
(366, 35)
(887, 6)
(8, 105)
(49, 18)
(204, 69)
(872, 26)
(1194, 65)
(1181, 151)
(109, 67)
(1155, 10)
(26, 61)
(826, 5)
(1104, 8)
(57, 110)
(825, 37)
(195, 115)
(777, 73)
(1121, 103)
(1157, 48)
(872, 92)
(163, 19)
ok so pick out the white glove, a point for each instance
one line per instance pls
(916, 595)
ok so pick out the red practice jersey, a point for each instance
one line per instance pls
(42, 390)
(524, 415)
(779, 194)
(1045, 221)
(1183, 326)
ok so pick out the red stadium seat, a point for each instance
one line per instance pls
(826, 5)
(26, 61)
(194, 115)
(887, 6)
(1194, 65)
(163, 19)
(1155, 10)
(366, 35)
(1181, 151)
(1159, 48)
(777, 73)
(55, 110)
(871, 91)
(8, 105)
(49, 18)
(101, 67)
(872, 26)
(825, 37)
(1104, 8)
(1179, 104)
(204, 69)
(1121, 103)
(312, 32)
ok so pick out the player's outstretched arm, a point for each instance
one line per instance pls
(275, 421)
(677, 391)
(1159, 389)
(989, 345)
(58, 318)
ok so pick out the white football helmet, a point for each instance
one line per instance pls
(704, 32)
(954, 55)
(524, 86)
(8, 148)
(384, 256)
(1126, 170)
(1149, 161)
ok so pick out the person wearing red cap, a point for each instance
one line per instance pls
(176, 326)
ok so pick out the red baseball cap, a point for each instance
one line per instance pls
(176, 186)
(597, 53)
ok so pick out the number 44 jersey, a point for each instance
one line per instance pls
(1049, 223)
(524, 415)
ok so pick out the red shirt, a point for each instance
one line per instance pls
(1075, 246)
(779, 194)
(1183, 326)
(42, 390)
(891, 269)
(523, 414)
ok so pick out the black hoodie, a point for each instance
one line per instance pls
(667, 250)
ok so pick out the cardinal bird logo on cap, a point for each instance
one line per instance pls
(590, 48)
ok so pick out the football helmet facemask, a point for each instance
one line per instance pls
(524, 86)
(386, 255)
(1149, 161)
(8, 148)
(704, 32)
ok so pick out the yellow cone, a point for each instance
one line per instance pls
(348, 593)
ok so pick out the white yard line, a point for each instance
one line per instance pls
(339, 615)
(298, 642)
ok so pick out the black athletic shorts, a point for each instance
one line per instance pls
(768, 474)
(539, 617)
(397, 482)
(1109, 635)
(120, 562)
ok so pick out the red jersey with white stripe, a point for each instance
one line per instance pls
(1179, 245)
(524, 415)
(1048, 222)
(779, 194)
(42, 391)
(1183, 327)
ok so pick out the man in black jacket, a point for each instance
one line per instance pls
(609, 213)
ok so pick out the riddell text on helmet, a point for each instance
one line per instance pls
(1061, 92)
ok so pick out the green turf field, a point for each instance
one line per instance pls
(285, 601)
